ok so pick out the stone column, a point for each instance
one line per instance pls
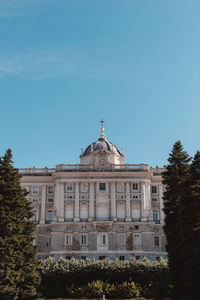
(42, 218)
(128, 203)
(113, 202)
(162, 215)
(91, 203)
(76, 213)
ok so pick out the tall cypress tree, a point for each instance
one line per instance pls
(190, 233)
(174, 179)
(18, 276)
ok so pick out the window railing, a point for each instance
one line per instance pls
(102, 219)
(48, 221)
(69, 219)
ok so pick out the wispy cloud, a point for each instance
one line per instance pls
(54, 63)
(47, 64)
(10, 8)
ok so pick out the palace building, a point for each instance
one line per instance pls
(99, 208)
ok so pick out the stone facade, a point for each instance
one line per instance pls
(99, 208)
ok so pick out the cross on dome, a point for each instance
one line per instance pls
(102, 128)
(102, 121)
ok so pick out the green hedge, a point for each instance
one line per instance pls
(58, 276)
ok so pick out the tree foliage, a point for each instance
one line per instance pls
(190, 232)
(182, 222)
(18, 276)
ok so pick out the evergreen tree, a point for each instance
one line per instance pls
(174, 179)
(18, 263)
(190, 233)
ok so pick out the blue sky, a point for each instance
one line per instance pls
(65, 64)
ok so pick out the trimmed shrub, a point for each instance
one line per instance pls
(59, 276)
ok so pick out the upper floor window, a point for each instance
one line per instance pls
(50, 189)
(102, 186)
(83, 239)
(156, 241)
(69, 187)
(35, 190)
(154, 189)
(68, 227)
(35, 200)
(135, 186)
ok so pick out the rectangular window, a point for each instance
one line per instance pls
(102, 257)
(102, 186)
(35, 200)
(154, 189)
(69, 187)
(83, 257)
(68, 228)
(155, 215)
(135, 186)
(68, 240)
(136, 240)
(49, 216)
(50, 200)
(122, 239)
(34, 218)
(154, 199)
(84, 240)
(103, 239)
(35, 190)
(49, 242)
(156, 241)
(50, 190)
(121, 258)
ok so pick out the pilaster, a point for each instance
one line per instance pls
(42, 219)
(113, 202)
(76, 213)
(145, 201)
(128, 204)
(91, 203)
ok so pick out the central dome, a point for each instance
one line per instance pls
(102, 144)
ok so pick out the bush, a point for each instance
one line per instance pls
(99, 288)
(128, 290)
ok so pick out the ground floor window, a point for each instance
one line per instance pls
(102, 257)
